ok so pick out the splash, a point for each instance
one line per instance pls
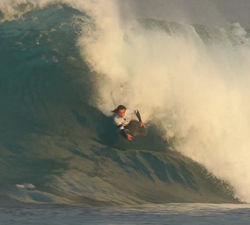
(193, 79)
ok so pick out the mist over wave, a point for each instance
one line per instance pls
(75, 61)
(193, 79)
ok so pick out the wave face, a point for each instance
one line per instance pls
(65, 65)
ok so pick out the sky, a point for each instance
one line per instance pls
(208, 12)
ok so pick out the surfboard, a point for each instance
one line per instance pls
(135, 129)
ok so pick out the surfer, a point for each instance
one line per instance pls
(129, 128)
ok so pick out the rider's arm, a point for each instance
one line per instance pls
(122, 129)
(137, 113)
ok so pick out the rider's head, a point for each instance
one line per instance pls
(120, 110)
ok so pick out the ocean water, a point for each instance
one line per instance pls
(150, 214)
(66, 65)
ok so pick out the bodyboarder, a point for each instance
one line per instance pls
(129, 128)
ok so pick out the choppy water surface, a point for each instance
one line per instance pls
(150, 214)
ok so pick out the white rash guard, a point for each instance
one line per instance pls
(122, 122)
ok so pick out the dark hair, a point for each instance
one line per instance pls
(120, 107)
